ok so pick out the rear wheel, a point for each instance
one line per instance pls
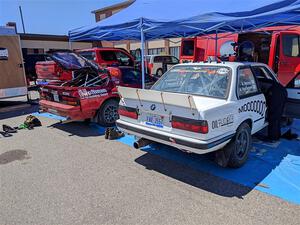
(108, 113)
(241, 146)
(235, 154)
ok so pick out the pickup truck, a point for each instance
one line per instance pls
(203, 108)
(91, 93)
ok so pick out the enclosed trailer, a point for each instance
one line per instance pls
(12, 75)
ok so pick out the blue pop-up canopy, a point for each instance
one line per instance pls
(153, 19)
(177, 18)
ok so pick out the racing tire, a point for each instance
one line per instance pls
(108, 113)
(159, 72)
(239, 147)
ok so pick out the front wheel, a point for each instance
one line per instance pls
(108, 113)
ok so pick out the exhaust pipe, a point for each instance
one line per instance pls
(142, 142)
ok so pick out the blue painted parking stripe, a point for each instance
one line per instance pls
(50, 115)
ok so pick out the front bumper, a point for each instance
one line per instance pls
(68, 111)
(185, 143)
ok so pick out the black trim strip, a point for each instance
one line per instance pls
(258, 119)
(176, 140)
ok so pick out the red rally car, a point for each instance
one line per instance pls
(91, 93)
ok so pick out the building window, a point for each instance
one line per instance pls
(174, 51)
(155, 51)
(31, 51)
(102, 16)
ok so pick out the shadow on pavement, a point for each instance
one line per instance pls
(273, 168)
(188, 175)
(9, 109)
(80, 129)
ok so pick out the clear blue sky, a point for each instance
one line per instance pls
(51, 16)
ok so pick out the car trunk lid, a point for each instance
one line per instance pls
(170, 112)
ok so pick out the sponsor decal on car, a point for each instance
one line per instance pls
(254, 106)
(222, 122)
(83, 93)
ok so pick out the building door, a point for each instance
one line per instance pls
(12, 76)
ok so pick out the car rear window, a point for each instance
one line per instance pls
(211, 81)
(90, 55)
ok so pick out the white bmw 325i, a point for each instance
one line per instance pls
(200, 108)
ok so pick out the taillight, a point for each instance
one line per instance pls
(198, 126)
(69, 100)
(128, 112)
(150, 67)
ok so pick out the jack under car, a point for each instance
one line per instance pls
(200, 108)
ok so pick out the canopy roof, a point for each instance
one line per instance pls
(168, 18)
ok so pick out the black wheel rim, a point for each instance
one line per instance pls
(111, 114)
(242, 144)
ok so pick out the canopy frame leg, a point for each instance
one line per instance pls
(143, 56)
(216, 46)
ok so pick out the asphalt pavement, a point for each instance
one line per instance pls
(69, 174)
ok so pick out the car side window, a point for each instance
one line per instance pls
(262, 72)
(175, 60)
(108, 55)
(158, 59)
(297, 82)
(90, 55)
(124, 59)
(246, 83)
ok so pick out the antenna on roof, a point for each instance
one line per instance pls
(21, 14)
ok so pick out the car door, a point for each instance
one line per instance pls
(157, 64)
(292, 107)
(251, 101)
(289, 56)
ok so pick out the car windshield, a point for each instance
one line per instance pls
(72, 61)
(211, 81)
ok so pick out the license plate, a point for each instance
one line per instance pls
(155, 120)
(56, 97)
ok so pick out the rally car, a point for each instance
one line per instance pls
(202, 108)
(91, 93)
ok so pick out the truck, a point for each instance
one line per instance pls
(278, 47)
(12, 76)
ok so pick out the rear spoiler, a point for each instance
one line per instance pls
(166, 98)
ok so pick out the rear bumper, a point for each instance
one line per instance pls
(68, 111)
(189, 144)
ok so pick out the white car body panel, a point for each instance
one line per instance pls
(223, 116)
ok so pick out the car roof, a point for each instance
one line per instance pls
(156, 55)
(100, 49)
(233, 65)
